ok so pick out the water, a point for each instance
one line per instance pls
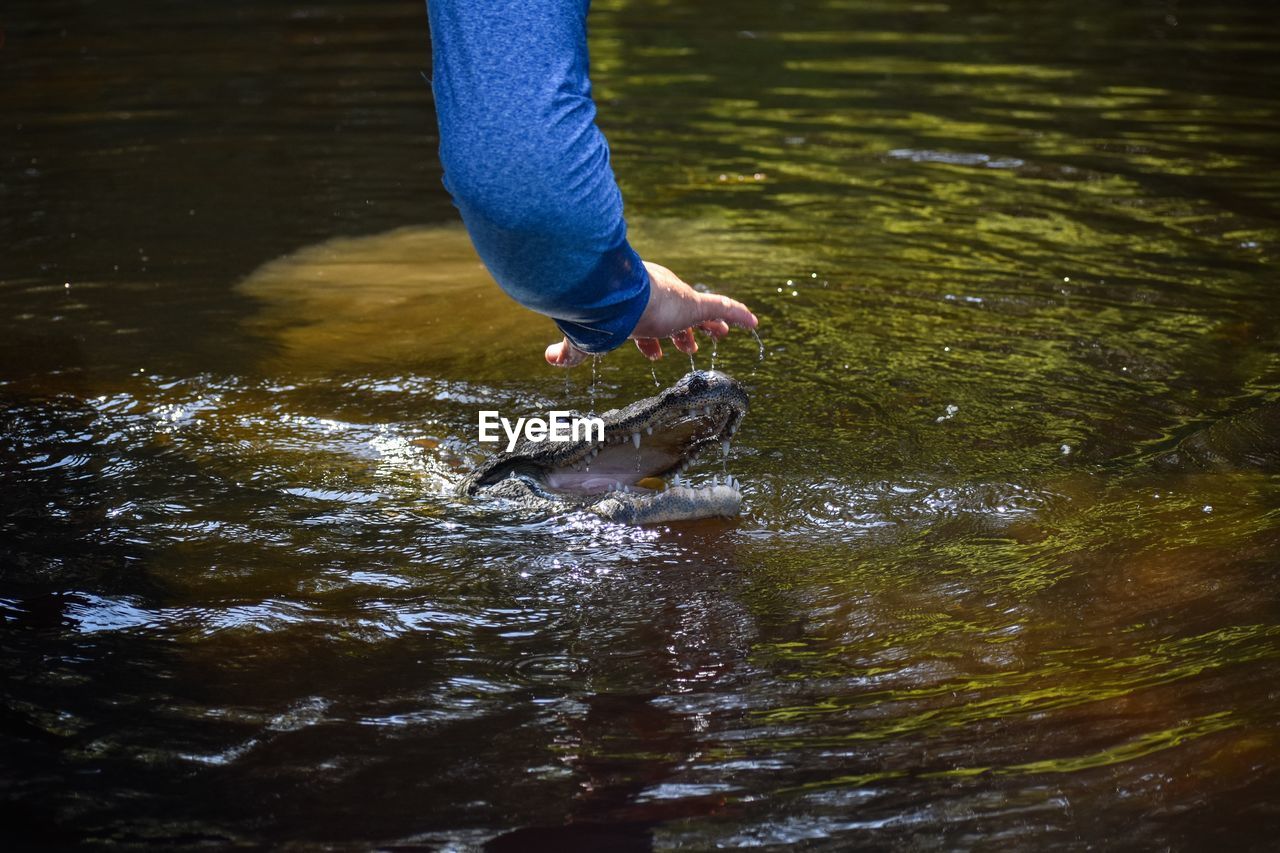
(241, 604)
(759, 343)
(595, 380)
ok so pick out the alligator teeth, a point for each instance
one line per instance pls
(724, 446)
(648, 430)
(635, 439)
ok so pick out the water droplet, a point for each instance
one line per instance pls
(595, 360)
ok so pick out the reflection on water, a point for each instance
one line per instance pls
(1007, 570)
(414, 295)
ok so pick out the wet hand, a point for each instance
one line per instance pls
(675, 309)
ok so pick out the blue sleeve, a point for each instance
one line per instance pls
(527, 166)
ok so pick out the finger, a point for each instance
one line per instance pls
(564, 354)
(717, 329)
(714, 307)
(651, 347)
(684, 341)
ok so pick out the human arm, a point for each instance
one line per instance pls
(674, 310)
(529, 171)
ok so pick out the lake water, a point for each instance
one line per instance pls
(1007, 575)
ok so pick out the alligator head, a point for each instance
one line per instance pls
(619, 478)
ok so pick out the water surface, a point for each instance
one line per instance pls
(1007, 575)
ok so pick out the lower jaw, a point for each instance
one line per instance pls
(604, 485)
(678, 503)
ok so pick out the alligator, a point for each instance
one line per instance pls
(620, 478)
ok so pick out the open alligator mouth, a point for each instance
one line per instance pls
(624, 478)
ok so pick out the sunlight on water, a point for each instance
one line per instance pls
(1005, 576)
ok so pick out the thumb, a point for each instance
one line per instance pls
(564, 354)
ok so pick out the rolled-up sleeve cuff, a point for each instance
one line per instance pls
(613, 296)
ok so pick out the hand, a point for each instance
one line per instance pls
(675, 309)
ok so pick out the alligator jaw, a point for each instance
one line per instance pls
(679, 503)
(666, 443)
(652, 438)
